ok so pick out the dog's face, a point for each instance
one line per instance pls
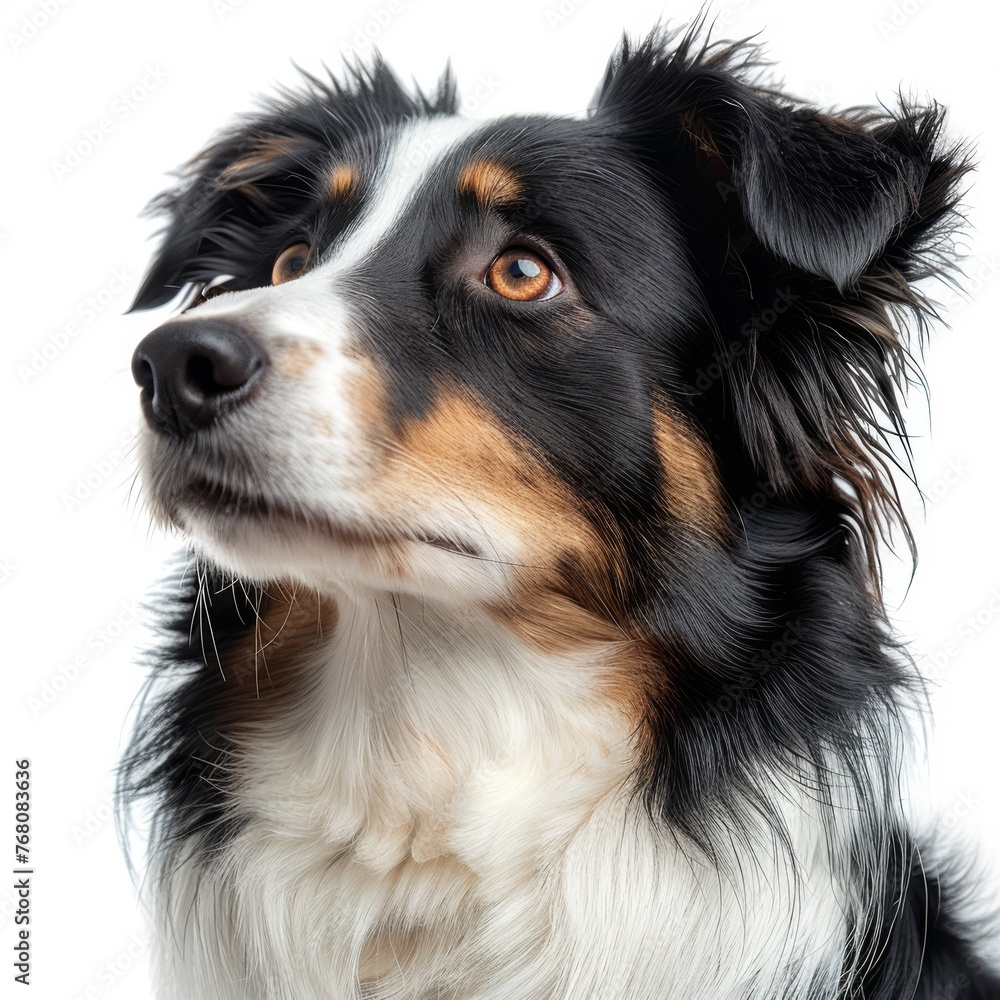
(439, 370)
(468, 359)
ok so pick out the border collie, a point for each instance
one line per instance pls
(534, 472)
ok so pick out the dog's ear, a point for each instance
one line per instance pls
(833, 195)
(230, 211)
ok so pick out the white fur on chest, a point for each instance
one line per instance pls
(449, 815)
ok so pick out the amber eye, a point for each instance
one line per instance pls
(523, 275)
(290, 264)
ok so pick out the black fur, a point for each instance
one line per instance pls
(924, 951)
(184, 758)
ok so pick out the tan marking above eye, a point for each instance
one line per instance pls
(490, 183)
(290, 264)
(522, 275)
(266, 157)
(343, 183)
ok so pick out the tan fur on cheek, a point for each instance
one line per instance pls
(639, 681)
(468, 456)
(693, 492)
(366, 398)
(554, 623)
(567, 581)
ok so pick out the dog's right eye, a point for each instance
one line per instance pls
(522, 275)
(290, 264)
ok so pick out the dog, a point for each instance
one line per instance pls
(534, 472)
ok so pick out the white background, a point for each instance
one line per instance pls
(72, 250)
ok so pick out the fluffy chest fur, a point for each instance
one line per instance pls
(460, 818)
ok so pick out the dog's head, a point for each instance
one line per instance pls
(539, 362)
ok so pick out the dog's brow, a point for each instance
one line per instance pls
(490, 183)
(342, 183)
(418, 148)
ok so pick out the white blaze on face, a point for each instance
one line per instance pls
(418, 148)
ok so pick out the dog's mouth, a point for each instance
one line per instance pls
(221, 504)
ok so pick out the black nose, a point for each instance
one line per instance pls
(191, 371)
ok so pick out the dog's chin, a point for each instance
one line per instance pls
(263, 539)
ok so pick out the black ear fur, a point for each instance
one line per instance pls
(239, 195)
(819, 191)
(832, 194)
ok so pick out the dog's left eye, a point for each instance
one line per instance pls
(290, 264)
(523, 275)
